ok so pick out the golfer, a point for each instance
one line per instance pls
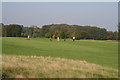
(64, 39)
(58, 38)
(28, 37)
(50, 39)
(73, 38)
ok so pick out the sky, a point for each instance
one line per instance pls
(100, 14)
(60, 0)
(119, 12)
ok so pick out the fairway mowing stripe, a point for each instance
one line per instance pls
(94, 52)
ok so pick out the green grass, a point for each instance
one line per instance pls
(104, 53)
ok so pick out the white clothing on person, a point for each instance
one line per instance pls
(58, 38)
(28, 36)
(73, 37)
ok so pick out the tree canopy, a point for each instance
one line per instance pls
(59, 30)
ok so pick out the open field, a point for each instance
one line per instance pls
(50, 67)
(41, 58)
(104, 53)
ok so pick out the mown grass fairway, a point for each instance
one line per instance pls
(104, 53)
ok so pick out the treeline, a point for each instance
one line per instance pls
(59, 30)
(119, 31)
(11, 30)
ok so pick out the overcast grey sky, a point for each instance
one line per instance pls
(100, 14)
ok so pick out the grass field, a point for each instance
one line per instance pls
(51, 67)
(103, 53)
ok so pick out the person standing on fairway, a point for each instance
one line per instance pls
(58, 38)
(50, 39)
(64, 39)
(73, 38)
(28, 37)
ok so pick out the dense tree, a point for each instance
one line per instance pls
(119, 31)
(80, 32)
(59, 30)
(1, 24)
(32, 31)
(12, 30)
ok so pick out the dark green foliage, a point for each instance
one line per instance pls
(80, 32)
(12, 30)
(59, 30)
(1, 29)
(119, 31)
(33, 31)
